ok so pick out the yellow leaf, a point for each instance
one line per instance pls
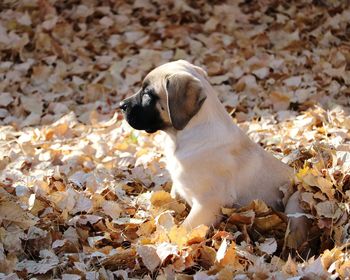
(344, 270)
(160, 198)
(328, 257)
(178, 235)
(197, 234)
(290, 267)
(141, 152)
(146, 228)
(226, 273)
(230, 258)
(302, 172)
(259, 206)
(61, 129)
(49, 134)
(122, 146)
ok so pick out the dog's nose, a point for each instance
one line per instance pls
(123, 106)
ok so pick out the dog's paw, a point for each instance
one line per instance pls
(200, 215)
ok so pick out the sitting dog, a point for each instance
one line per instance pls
(212, 162)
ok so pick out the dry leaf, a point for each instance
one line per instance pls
(269, 246)
(149, 256)
(77, 180)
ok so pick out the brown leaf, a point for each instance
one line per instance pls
(122, 259)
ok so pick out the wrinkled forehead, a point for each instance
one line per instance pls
(161, 72)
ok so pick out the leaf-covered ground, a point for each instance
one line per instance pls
(82, 196)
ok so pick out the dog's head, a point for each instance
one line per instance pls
(170, 96)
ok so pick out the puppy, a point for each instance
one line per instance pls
(212, 162)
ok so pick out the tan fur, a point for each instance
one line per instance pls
(211, 161)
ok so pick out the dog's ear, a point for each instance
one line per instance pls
(201, 71)
(185, 96)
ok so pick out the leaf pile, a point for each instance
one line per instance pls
(83, 196)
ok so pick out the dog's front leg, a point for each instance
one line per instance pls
(198, 215)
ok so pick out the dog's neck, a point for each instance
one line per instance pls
(211, 124)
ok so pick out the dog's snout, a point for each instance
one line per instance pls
(123, 105)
